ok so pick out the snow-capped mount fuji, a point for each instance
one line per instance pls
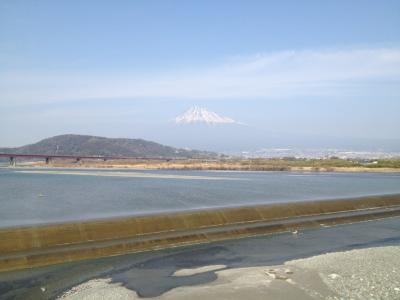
(205, 129)
(202, 115)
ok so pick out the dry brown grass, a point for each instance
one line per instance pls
(323, 165)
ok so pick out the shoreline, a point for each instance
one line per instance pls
(356, 274)
(205, 166)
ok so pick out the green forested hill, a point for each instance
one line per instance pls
(72, 144)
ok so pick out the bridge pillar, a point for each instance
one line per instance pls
(47, 160)
(13, 161)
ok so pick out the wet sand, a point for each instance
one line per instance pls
(357, 274)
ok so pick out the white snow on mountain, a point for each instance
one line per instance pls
(202, 115)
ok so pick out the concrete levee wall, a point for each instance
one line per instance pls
(13, 240)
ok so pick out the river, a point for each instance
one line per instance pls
(38, 196)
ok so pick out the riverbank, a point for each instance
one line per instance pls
(295, 165)
(371, 273)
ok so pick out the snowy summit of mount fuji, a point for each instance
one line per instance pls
(202, 115)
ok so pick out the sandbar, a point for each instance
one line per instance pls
(128, 174)
(193, 271)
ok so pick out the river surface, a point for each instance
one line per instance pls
(37, 196)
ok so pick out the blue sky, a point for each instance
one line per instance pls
(125, 68)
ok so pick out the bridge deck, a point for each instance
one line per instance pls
(50, 156)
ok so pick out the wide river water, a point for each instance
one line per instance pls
(36, 196)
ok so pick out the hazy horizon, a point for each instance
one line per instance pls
(322, 74)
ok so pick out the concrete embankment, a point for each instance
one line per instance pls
(27, 247)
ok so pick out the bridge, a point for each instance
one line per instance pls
(47, 157)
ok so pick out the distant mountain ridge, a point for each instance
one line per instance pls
(73, 144)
